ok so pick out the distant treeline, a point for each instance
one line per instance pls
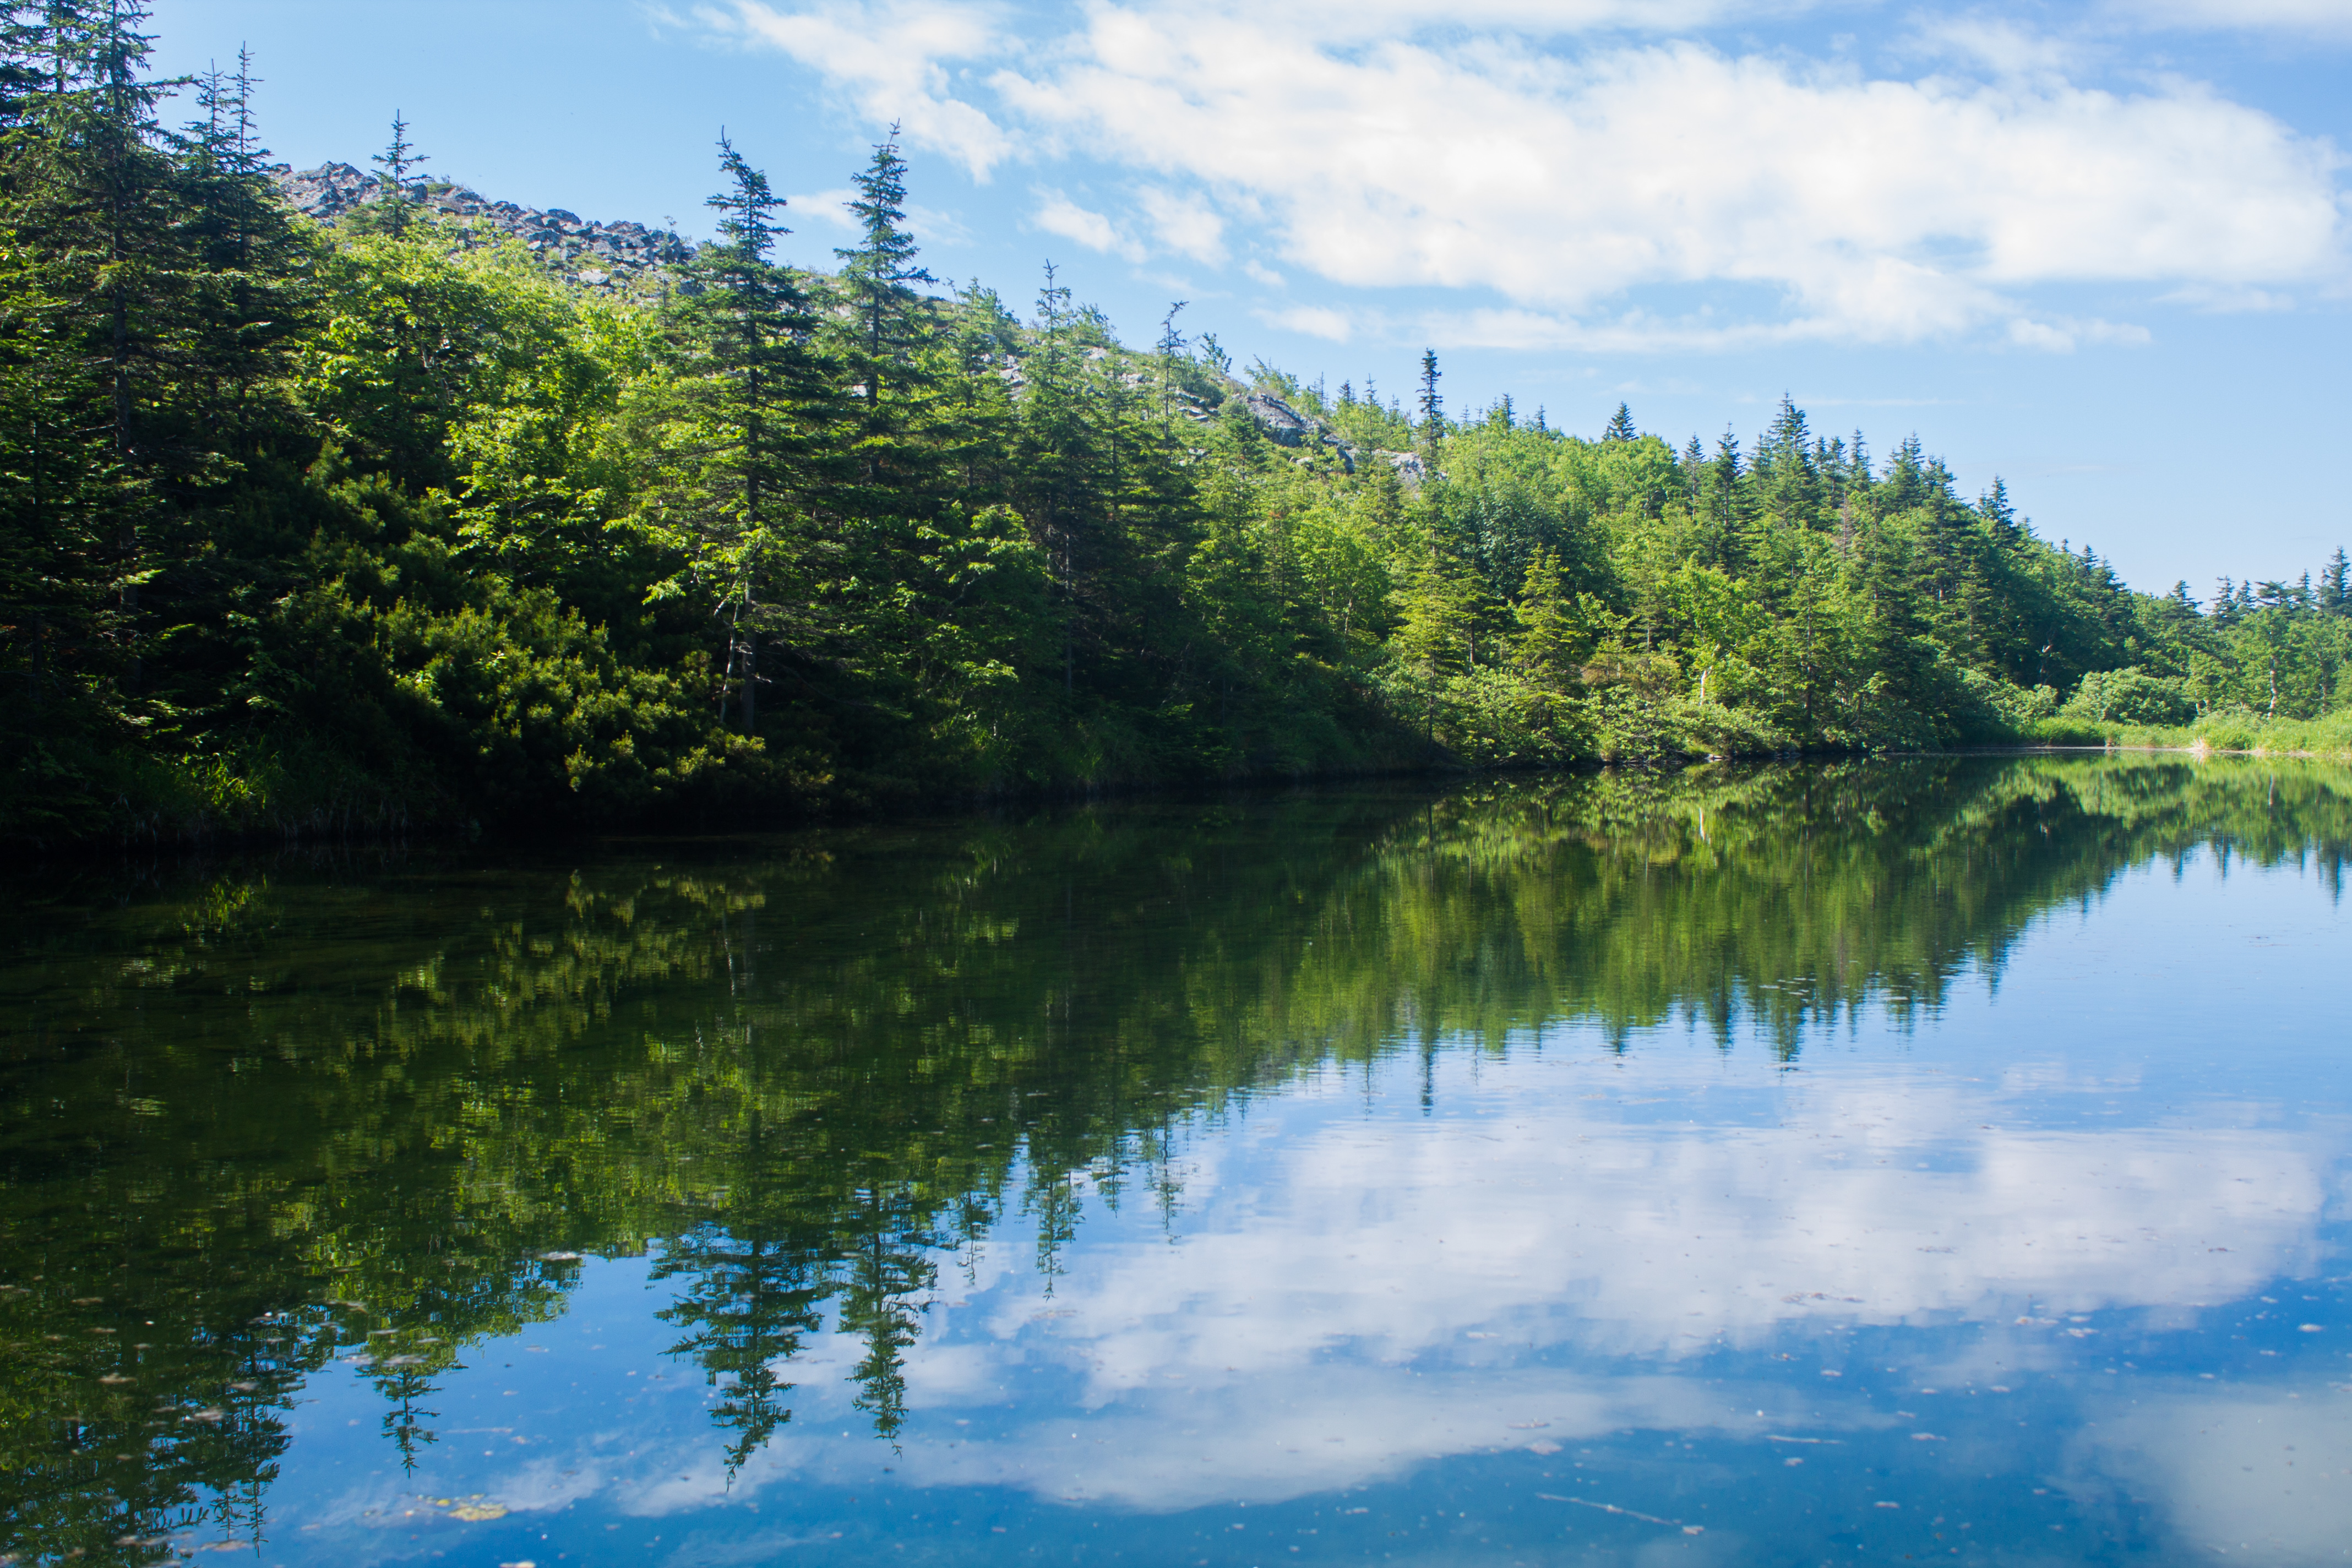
(382, 523)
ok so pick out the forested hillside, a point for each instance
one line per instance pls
(401, 520)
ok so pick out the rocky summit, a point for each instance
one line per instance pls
(598, 255)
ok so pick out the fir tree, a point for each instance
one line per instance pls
(1906, 475)
(752, 462)
(1786, 471)
(1171, 350)
(1995, 508)
(1433, 410)
(1725, 504)
(1620, 425)
(103, 279)
(879, 272)
(396, 201)
(1550, 640)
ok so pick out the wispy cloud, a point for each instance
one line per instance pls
(2224, 299)
(1057, 213)
(2322, 19)
(828, 207)
(1313, 320)
(1185, 223)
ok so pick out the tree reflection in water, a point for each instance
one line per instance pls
(257, 1115)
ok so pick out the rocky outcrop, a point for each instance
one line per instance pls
(1282, 423)
(1286, 427)
(597, 255)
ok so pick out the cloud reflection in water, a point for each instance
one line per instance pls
(1355, 1293)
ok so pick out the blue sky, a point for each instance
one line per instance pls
(2099, 249)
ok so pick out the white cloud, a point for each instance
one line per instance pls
(2031, 334)
(1584, 187)
(887, 56)
(1057, 214)
(1185, 223)
(1867, 1204)
(1877, 210)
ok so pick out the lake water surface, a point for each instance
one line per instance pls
(1939, 1159)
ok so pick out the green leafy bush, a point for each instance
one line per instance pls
(2129, 696)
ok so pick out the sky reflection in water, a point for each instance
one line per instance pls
(2027, 1246)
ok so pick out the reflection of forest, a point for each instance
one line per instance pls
(257, 1116)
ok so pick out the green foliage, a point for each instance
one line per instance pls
(2129, 696)
(381, 525)
(2003, 709)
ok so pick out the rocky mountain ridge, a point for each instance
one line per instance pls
(596, 255)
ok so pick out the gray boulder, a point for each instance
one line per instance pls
(1282, 423)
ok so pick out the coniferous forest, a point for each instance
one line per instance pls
(397, 521)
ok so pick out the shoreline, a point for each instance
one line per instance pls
(323, 833)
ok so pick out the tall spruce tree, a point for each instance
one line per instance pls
(99, 286)
(879, 274)
(1169, 347)
(395, 203)
(1433, 411)
(751, 465)
(1787, 471)
(250, 300)
(1725, 507)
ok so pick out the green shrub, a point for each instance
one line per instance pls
(2130, 696)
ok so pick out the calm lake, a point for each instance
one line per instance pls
(1937, 1159)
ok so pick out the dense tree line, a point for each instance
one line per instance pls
(379, 522)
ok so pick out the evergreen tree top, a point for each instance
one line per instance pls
(746, 201)
(885, 255)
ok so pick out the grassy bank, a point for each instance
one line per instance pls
(2328, 736)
